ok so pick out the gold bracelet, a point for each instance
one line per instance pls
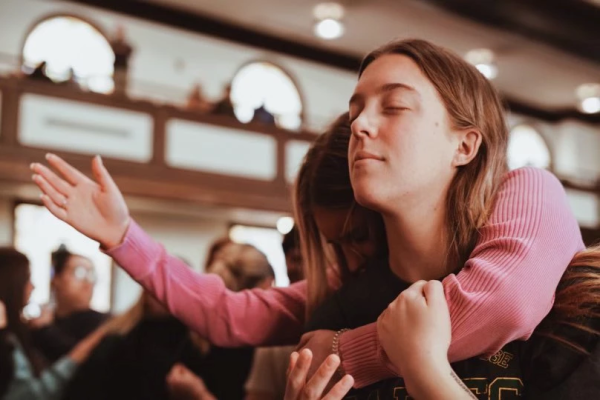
(335, 344)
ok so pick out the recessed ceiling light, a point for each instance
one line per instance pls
(588, 95)
(329, 29)
(483, 60)
(285, 225)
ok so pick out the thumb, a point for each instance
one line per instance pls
(101, 174)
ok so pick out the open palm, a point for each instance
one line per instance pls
(95, 208)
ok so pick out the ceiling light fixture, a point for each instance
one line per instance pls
(588, 95)
(285, 225)
(328, 23)
(484, 61)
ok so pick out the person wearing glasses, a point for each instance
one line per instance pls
(70, 319)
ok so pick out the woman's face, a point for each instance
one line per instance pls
(75, 284)
(350, 235)
(401, 145)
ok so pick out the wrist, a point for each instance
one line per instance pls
(335, 349)
(429, 379)
(116, 238)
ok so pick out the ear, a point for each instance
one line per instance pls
(469, 142)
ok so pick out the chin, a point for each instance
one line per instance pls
(367, 195)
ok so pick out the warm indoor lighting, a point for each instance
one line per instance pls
(329, 20)
(589, 98)
(329, 29)
(285, 225)
(483, 60)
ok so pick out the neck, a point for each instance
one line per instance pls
(417, 239)
(64, 309)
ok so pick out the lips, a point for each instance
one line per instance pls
(364, 155)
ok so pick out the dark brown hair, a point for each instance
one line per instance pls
(14, 275)
(324, 181)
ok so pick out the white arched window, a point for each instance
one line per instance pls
(67, 43)
(263, 83)
(527, 148)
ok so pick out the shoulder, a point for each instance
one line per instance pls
(530, 178)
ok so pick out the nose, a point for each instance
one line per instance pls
(363, 127)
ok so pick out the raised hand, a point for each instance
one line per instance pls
(95, 208)
(298, 389)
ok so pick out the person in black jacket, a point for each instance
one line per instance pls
(58, 330)
(560, 361)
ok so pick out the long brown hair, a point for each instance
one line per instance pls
(324, 181)
(472, 103)
(14, 275)
(577, 300)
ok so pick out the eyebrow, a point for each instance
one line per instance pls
(388, 87)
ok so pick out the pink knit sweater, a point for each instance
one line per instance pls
(506, 288)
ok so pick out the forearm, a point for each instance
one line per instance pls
(228, 319)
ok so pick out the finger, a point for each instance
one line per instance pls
(297, 378)
(434, 292)
(56, 197)
(319, 381)
(57, 183)
(293, 360)
(415, 291)
(55, 210)
(70, 173)
(340, 389)
(101, 175)
(417, 287)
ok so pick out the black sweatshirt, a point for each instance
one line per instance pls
(59, 338)
(540, 368)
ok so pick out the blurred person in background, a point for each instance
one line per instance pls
(153, 355)
(23, 373)
(267, 378)
(134, 360)
(63, 324)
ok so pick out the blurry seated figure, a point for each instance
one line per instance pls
(140, 361)
(267, 378)
(224, 106)
(123, 51)
(62, 326)
(39, 73)
(196, 100)
(261, 115)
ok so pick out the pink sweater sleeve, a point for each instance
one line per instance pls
(247, 318)
(507, 286)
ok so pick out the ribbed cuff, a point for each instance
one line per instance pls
(362, 356)
(136, 253)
